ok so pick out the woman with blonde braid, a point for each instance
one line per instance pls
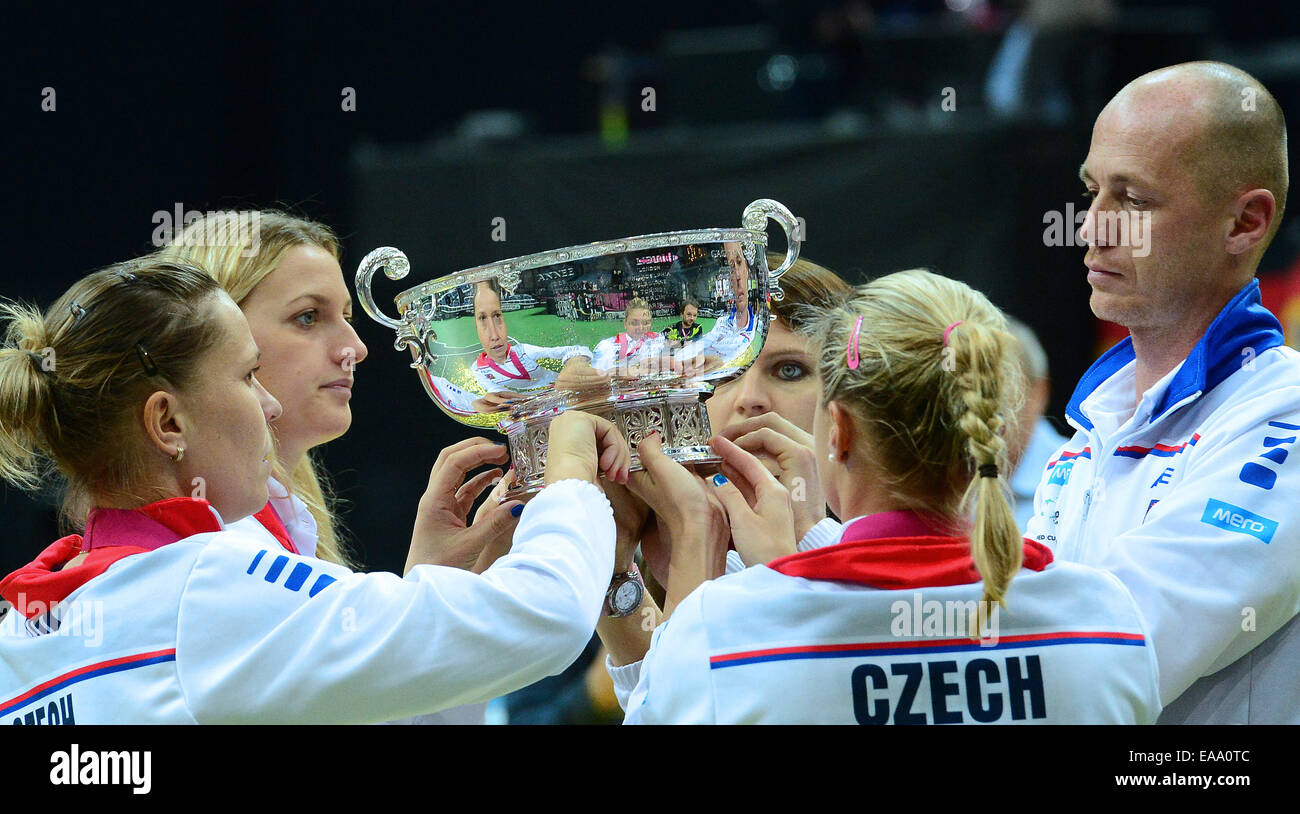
(931, 608)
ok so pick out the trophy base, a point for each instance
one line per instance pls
(680, 418)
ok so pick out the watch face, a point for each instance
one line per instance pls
(627, 596)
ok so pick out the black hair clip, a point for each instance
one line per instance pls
(77, 311)
(128, 276)
(146, 361)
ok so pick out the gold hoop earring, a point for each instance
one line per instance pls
(180, 453)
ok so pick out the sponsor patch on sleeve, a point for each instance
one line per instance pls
(1234, 518)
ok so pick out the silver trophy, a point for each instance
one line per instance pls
(637, 330)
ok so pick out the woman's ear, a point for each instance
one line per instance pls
(842, 430)
(163, 424)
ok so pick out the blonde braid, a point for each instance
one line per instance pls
(934, 412)
(981, 353)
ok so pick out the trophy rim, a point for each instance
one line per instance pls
(584, 251)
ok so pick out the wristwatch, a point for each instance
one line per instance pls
(624, 594)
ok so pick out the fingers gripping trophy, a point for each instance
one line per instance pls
(513, 344)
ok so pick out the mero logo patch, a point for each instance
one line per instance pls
(1234, 518)
(1061, 473)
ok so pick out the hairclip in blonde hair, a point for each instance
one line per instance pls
(851, 352)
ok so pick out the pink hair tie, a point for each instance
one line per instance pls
(851, 353)
(949, 330)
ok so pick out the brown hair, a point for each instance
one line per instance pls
(492, 285)
(248, 246)
(805, 284)
(73, 380)
(934, 411)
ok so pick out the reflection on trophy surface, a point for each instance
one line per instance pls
(687, 329)
(506, 371)
(637, 351)
(637, 330)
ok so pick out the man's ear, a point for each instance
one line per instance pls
(1253, 214)
(163, 424)
(842, 431)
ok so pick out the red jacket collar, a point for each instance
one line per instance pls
(111, 535)
(150, 527)
(270, 520)
(894, 551)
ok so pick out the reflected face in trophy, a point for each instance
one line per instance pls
(301, 317)
(637, 323)
(490, 323)
(689, 314)
(783, 379)
(739, 270)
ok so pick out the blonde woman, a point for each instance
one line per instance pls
(637, 350)
(283, 272)
(918, 376)
(154, 389)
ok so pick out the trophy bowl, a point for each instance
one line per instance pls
(637, 330)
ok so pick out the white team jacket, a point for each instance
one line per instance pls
(1191, 500)
(618, 351)
(726, 340)
(299, 525)
(809, 638)
(220, 627)
(523, 362)
(529, 377)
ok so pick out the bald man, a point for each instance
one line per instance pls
(1183, 476)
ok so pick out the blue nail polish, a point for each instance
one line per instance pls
(517, 510)
(719, 479)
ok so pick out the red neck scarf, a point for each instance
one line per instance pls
(624, 353)
(111, 535)
(484, 359)
(897, 550)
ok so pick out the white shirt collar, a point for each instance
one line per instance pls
(295, 516)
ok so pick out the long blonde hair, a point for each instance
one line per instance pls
(934, 411)
(252, 244)
(73, 380)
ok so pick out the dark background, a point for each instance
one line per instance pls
(239, 105)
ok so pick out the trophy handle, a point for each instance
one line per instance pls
(395, 266)
(756, 216)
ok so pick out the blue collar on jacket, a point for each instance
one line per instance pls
(1243, 323)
